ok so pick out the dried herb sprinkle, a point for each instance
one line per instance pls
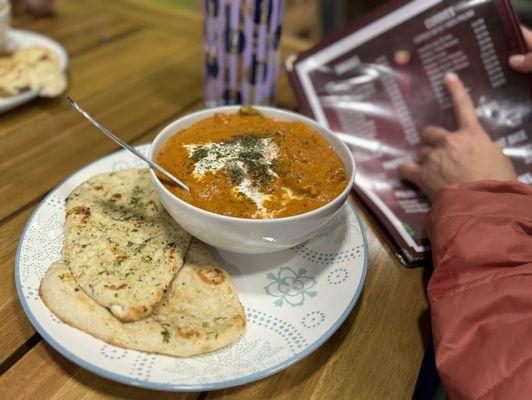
(247, 158)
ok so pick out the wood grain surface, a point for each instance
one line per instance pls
(137, 65)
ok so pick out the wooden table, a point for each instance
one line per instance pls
(137, 66)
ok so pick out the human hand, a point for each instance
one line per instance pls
(523, 62)
(466, 155)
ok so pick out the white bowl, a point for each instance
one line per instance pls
(245, 235)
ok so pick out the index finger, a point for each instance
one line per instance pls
(427, 181)
(464, 110)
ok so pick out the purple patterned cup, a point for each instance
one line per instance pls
(241, 46)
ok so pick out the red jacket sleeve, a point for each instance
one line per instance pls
(481, 289)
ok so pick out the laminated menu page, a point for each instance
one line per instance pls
(378, 83)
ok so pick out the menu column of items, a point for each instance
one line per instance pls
(439, 51)
(349, 105)
(408, 200)
(488, 54)
(388, 79)
(439, 57)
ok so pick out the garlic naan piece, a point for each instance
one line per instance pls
(35, 68)
(47, 80)
(199, 313)
(122, 246)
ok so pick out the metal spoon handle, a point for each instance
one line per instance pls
(126, 146)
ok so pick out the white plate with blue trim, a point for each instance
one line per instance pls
(294, 300)
(19, 38)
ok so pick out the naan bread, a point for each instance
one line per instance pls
(47, 80)
(121, 245)
(35, 55)
(199, 313)
(35, 68)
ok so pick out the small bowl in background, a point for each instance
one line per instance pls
(5, 20)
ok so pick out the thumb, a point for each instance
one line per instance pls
(527, 35)
(427, 181)
(521, 62)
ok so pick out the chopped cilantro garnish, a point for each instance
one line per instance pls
(142, 245)
(166, 334)
(137, 202)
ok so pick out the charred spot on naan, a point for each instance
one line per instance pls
(131, 314)
(114, 287)
(211, 276)
(188, 333)
(240, 322)
(66, 277)
(80, 214)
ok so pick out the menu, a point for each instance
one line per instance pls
(378, 83)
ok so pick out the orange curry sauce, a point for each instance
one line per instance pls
(247, 165)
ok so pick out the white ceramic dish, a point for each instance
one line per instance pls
(18, 38)
(294, 299)
(245, 235)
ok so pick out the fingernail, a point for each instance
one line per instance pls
(451, 77)
(517, 60)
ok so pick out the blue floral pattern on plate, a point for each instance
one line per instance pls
(291, 286)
